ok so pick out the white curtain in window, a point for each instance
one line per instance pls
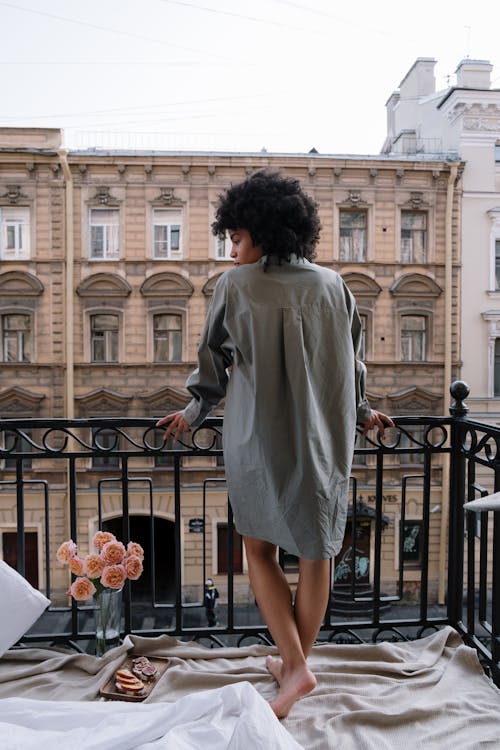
(15, 234)
(104, 233)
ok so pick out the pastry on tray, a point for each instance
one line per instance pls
(127, 683)
(143, 668)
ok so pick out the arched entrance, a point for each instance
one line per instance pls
(163, 574)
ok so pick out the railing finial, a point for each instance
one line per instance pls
(459, 391)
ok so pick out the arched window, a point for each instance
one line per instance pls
(16, 338)
(167, 337)
(413, 338)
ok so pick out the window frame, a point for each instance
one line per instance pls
(172, 254)
(426, 334)
(21, 251)
(17, 313)
(496, 370)
(411, 457)
(9, 463)
(107, 461)
(108, 343)
(170, 312)
(362, 212)
(411, 259)
(227, 245)
(107, 256)
(365, 316)
(494, 284)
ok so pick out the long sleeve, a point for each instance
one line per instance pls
(207, 384)
(363, 408)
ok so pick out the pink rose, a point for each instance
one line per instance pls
(113, 552)
(94, 565)
(82, 589)
(113, 576)
(133, 567)
(135, 549)
(101, 537)
(66, 551)
(77, 566)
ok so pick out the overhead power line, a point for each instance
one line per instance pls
(109, 30)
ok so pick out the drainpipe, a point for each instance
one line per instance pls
(448, 354)
(69, 302)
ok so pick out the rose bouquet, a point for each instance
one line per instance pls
(100, 575)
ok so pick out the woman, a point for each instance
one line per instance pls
(280, 343)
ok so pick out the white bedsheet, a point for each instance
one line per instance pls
(234, 717)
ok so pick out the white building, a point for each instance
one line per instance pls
(463, 121)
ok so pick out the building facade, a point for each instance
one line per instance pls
(107, 265)
(464, 120)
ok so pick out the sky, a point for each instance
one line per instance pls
(228, 75)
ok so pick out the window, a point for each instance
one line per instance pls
(166, 234)
(362, 344)
(359, 459)
(497, 152)
(16, 338)
(412, 533)
(104, 337)
(223, 248)
(223, 551)
(104, 234)
(413, 338)
(164, 460)
(15, 233)
(412, 441)
(167, 335)
(107, 440)
(353, 236)
(413, 236)
(497, 265)
(496, 370)
(18, 443)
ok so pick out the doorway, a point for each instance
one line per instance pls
(159, 569)
(9, 545)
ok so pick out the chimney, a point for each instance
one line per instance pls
(474, 74)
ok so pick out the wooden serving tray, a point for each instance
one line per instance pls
(110, 692)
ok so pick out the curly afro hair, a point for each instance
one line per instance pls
(275, 210)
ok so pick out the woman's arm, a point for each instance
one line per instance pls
(207, 384)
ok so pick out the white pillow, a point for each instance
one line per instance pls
(21, 604)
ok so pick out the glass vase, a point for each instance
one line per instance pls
(108, 614)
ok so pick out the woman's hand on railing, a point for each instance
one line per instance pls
(378, 419)
(176, 425)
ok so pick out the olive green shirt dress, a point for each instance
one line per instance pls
(280, 344)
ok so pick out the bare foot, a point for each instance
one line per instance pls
(274, 667)
(294, 684)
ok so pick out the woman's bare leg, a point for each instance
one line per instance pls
(274, 599)
(311, 601)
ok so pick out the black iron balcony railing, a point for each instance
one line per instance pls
(409, 544)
